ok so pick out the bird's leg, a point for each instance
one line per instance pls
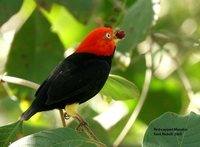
(62, 118)
(72, 111)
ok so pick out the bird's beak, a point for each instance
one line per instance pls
(116, 40)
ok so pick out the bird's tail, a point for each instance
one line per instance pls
(27, 114)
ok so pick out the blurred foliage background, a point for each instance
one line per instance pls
(160, 54)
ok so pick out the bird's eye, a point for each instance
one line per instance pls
(108, 36)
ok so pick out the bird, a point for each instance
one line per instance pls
(79, 77)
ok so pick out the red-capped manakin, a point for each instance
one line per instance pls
(79, 77)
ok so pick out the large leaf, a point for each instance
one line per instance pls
(173, 130)
(10, 133)
(119, 88)
(61, 137)
(34, 53)
(8, 8)
(136, 23)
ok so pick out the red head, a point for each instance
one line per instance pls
(99, 42)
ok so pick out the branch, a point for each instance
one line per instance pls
(18, 81)
(134, 115)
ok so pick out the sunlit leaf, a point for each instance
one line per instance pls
(136, 23)
(118, 88)
(171, 129)
(81, 9)
(10, 133)
(56, 137)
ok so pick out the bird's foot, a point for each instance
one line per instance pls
(66, 116)
(77, 117)
(1, 77)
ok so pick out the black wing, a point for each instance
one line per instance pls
(81, 80)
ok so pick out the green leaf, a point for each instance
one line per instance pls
(8, 8)
(171, 129)
(66, 29)
(10, 133)
(136, 22)
(61, 137)
(34, 53)
(119, 88)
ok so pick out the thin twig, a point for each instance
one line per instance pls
(184, 79)
(134, 115)
(19, 81)
(186, 83)
(188, 88)
(85, 128)
(122, 7)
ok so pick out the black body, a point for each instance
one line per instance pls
(77, 79)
